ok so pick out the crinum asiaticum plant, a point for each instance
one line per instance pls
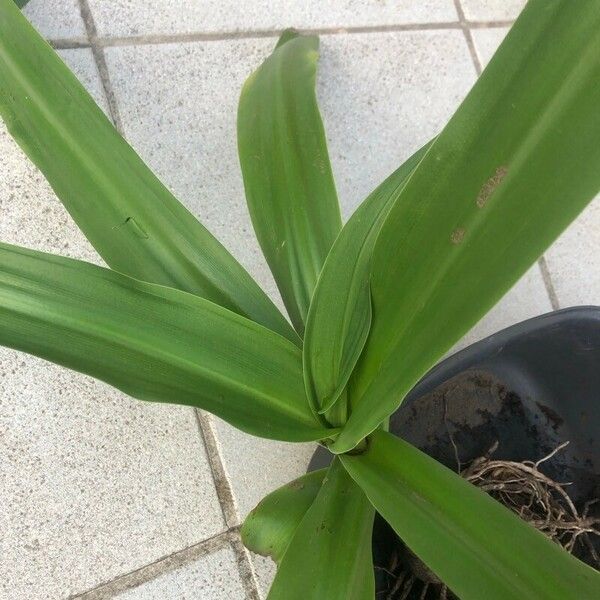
(373, 304)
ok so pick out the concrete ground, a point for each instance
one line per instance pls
(104, 496)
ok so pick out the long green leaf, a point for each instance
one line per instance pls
(270, 527)
(516, 164)
(339, 318)
(154, 343)
(289, 185)
(474, 544)
(129, 216)
(330, 553)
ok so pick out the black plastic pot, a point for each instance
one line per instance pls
(529, 388)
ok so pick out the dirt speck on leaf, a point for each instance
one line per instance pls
(490, 186)
(457, 235)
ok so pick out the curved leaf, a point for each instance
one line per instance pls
(339, 318)
(516, 164)
(287, 176)
(330, 553)
(479, 548)
(270, 527)
(129, 216)
(154, 343)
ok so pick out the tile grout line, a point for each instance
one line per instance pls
(543, 265)
(246, 569)
(69, 43)
(151, 39)
(222, 485)
(227, 502)
(548, 283)
(464, 25)
(163, 565)
(100, 60)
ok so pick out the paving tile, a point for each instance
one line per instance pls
(574, 260)
(56, 19)
(487, 41)
(81, 62)
(212, 577)
(93, 484)
(492, 10)
(265, 570)
(256, 467)
(383, 95)
(142, 17)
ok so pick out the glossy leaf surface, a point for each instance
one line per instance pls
(153, 342)
(287, 176)
(330, 553)
(270, 527)
(339, 318)
(516, 164)
(128, 215)
(479, 548)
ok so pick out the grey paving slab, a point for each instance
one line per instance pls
(81, 62)
(93, 484)
(212, 577)
(265, 570)
(255, 467)
(574, 260)
(487, 41)
(492, 10)
(56, 19)
(143, 17)
(383, 95)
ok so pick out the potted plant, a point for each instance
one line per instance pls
(528, 391)
(374, 304)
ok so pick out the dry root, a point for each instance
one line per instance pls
(522, 487)
(537, 499)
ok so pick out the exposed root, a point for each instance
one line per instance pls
(522, 487)
(537, 499)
